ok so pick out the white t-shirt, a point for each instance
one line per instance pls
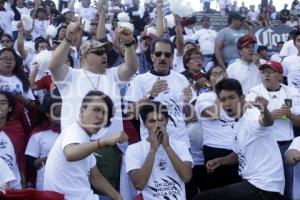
(248, 74)
(276, 57)
(39, 146)
(87, 14)
(291, 69)
(13, 83)
(296, 180)
(164, 182)
(7, 153)
(172, 98)
(253, 15)
(206, 39)
(69, 178)
(39, 28)
(22, 11)
(282, 129)
(178, 63)
(6, 18)
(77, 83)
(216, 133)
(288, 49)
(195, 132)
(259, 156)
(6, 175)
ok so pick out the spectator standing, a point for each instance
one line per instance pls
(284, 14)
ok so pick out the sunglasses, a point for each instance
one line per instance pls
(159, 54)
(99, 52)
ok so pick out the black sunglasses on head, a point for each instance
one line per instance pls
(159, 54)
(99, 52)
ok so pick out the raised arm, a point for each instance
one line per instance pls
(159, 19)
(20, 41)
(57, 67)
(179, 35)
(127, 69)
(102, 9)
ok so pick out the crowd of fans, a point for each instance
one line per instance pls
(110, 100)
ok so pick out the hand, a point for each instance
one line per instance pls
(155, 139)
(158, 87)
(125, 35)
(73, 32)
(177, 19)
(159, 3)
(114, 139)
(165, 138)
(20, 27)
(286, 110)
(187, 94)
(213, 164)
(277, 114)
(260, 103)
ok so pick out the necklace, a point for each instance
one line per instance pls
(97, 83)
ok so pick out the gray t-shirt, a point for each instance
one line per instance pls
(229, 37)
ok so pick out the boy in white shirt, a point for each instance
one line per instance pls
(255, 149)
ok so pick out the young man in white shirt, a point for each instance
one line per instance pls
(71, 165)
(293, 159)
(245, 69)
(255, 149)
(158, 166)
(285, 108)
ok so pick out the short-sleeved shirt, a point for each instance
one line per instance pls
(296, 180)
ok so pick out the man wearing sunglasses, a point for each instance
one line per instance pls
(166, 86)
(73, 84)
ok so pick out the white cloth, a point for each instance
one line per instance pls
(288, 49)
(77, 84)
(172, 98)
(87, 14)
(296, 180)
(178, 63)
(164, 182)
(282, 129)
(253, 15)
(7, 153)
(206, 39)
(259, 156)
(247, 74)
(69, 178)
(39, 146)
(291, 69)
(195, 132)
(22, 11)
(6, 175)
(39, 28)
(276, 57)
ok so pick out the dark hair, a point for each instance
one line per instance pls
(261, 48)
(279, 43)
(161, 40)
(8, 36)
(88, 98)
(71, 60)
(11, 101)
(39, 40)
(48, 101)
(187, 55)
(208, 74)
(229, 84)
(153, 106)
(296, 34)
(18, 69)
(58, 31)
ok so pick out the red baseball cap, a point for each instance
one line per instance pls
(244, 41)
(276, 66)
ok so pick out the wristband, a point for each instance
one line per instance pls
(129, 44)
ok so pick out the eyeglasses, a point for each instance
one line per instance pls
(159, 54)
(7, 59)
(99, 52)
(5, 41)
(218, 74)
